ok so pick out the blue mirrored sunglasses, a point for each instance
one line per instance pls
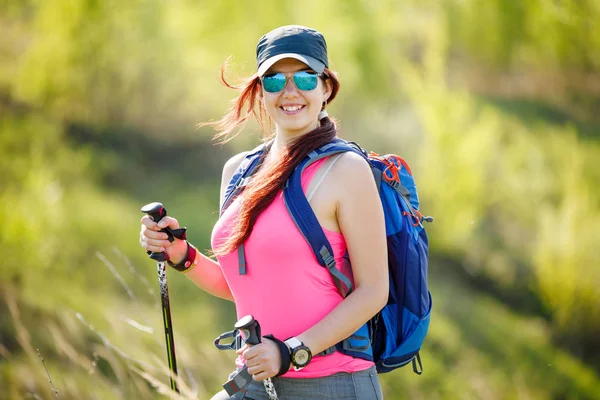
(304, 80)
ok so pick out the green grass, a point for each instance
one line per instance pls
(476, 348)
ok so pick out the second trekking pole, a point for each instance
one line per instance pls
(157, 212)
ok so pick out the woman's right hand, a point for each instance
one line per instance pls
(152, 239)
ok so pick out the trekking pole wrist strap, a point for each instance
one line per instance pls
(284, 351)
(188, 262)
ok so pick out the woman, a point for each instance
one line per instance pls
(284, 288)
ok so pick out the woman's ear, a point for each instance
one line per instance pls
(327, 89)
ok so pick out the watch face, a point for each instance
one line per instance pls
(301, 357)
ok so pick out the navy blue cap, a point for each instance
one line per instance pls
(292, 41)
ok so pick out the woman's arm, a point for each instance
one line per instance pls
(207, 274)
(361, 221)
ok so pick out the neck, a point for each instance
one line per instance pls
(284, 137)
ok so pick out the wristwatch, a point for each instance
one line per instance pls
(300, 354)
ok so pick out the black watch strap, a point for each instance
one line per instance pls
(286, 358)
(188, 261)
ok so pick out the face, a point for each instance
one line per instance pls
(294, 111)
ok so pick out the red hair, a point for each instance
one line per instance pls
(268, 181)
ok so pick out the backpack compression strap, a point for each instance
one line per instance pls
(244, 171)
(305, 219)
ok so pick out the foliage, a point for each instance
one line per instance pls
(517, 201)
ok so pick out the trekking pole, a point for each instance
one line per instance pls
(156, 211)
(249, 329)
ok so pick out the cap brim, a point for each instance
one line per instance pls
(315, 64)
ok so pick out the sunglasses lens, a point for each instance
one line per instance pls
(274, 83)
(305, 80)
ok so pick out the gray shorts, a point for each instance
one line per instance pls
(362, 385)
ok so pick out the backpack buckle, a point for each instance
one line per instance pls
(242, 182)
(327, 351)
(327, 257)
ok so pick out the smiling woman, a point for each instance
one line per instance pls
(276, 55)
(263, 262)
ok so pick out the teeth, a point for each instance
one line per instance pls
(291, 108)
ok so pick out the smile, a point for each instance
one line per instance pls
(292, 108)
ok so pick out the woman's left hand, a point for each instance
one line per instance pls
(263, 360)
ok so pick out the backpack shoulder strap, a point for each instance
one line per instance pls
(306, 220)
(244, 171)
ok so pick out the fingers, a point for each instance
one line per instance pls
(261, 372)
(163, 223)
(261, 376)
(261, 361)
(151, 237)
(168, 222)
(242, 349)
(154, 245)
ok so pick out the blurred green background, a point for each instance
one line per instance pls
(494, 104)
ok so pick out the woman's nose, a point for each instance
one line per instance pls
(290, 87)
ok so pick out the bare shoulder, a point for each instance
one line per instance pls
(352, 170)
(358, 206)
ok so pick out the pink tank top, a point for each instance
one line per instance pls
(284, 287)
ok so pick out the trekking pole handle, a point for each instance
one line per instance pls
(250, 329)
(157, 212)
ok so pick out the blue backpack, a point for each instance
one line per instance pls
(394, 336)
